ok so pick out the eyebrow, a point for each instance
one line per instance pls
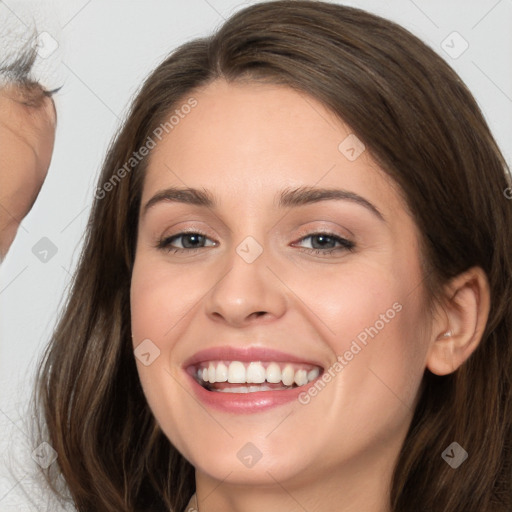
(307, 195)
(287, 198)
(182, 195)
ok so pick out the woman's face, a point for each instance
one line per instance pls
(299, 263)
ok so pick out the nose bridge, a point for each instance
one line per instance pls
(247, 289)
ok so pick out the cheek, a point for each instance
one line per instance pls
(163, 300)
(156, 304)
(348, 301)
(374, 320)
(160, 298)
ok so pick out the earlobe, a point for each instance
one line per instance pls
(465, 309)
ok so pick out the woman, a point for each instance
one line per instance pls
(293, 292)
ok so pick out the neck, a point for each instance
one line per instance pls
(363, 485)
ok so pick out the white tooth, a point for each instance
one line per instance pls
(236, 373)
(205, 374)
(273, 373)
(301, 377)
(222, 373)
(233, 390)
(211, 373)
(313, 374)
(287, 375)
(245, 389)
(256, 373)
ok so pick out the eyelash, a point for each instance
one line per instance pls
(344, 244)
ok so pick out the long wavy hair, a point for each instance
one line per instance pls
(423, 127)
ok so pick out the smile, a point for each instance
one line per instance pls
(253, 376)
(250, 379)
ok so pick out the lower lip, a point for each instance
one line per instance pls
(242, 403)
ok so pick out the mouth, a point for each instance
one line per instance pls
(224, 376)
(249, 379)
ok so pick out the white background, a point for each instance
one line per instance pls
(105, 50)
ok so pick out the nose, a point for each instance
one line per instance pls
(247, 293)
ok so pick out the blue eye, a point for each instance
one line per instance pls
(326, 243)
(185, 242)
(321, 243)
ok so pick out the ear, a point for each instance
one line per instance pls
(458, 330)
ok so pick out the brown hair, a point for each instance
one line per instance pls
(425, 130)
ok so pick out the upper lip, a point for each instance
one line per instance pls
(246, 354)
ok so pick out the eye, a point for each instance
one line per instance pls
(185, 242)
(321, 243)
(325, 243)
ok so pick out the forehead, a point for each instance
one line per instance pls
(252, 139)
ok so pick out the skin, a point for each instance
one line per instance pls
(245, 143)
(27, 135)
